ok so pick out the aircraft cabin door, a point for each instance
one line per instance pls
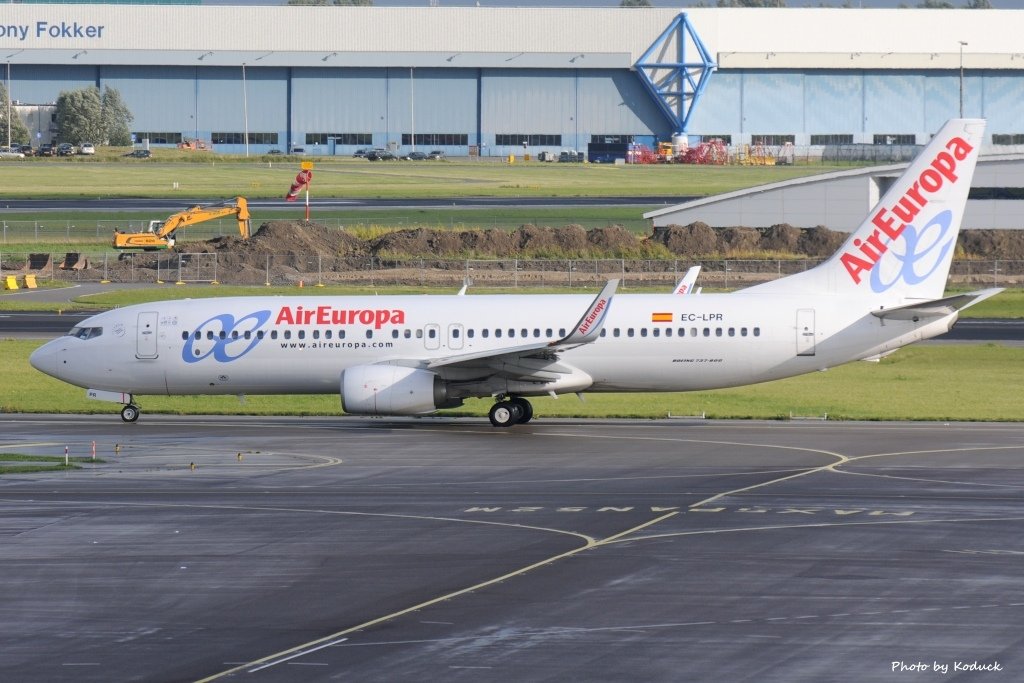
(805, 332)
(146, 335)
(432, 336)
(455, 333)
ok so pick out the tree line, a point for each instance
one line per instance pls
(85, 115)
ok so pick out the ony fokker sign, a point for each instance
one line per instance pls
(47, 29)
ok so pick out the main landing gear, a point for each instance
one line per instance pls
(516, 410)
(130, 413)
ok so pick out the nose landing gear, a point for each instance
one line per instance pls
(516, 410)
(130, 413)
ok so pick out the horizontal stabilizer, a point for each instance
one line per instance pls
(937, 308)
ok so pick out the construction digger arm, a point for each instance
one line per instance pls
(163, 237)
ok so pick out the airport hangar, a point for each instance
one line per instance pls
(476, 80)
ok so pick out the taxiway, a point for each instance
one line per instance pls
(321, 549)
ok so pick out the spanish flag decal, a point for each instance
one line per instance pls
(661, 317)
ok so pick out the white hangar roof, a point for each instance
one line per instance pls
(842, 199)
(583, 38)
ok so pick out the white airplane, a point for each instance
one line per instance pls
(685, 285)
(411, 355)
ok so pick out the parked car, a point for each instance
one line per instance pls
(435, 154)
(414, 156)
(65, 149)
(380, 155)
(86, 148)
(27, 150)
(47, 150)
(275, 152)
(360, 154)
(298, 150)
(11, 153)
(139, 154)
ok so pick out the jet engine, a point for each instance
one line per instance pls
(393, 390)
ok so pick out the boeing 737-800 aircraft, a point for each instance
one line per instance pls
(410, 355)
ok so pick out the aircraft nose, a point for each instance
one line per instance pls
(44, 359)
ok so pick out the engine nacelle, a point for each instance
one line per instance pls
(392, 390)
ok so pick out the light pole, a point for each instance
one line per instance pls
(245, 112)
(9, 126)
(962, 43)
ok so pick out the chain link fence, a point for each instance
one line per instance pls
(315, 269)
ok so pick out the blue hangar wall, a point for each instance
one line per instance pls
(334, 79)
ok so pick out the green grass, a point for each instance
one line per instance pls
(220, 177)
(55, 463)
(969, 382)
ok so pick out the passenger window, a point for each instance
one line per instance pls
(432, 333)
(419, 334)
(248, 334)
(718, 331)
(408, 334)
(260, 335)
(485, 333)
(511, 333)
(732, 331)
(328, 334)
(209, 334)
(656, 332)
(743, 332)
(469, 333)
(615, 332)
(707, 331)
(693, 331)
(549, 333)
(561, 331)
(536, 332)
(757, 331)
(273, 334)
(369, 334)
(524, 333)
(455, 333)
(629, 332)
(643, 331)
(184, 336)
(603, 332)
(302, 334)
(234, 334)
(223, 334)
(287, 334)
(668, 331)
(497, 333)
(394, 334)
(316, 334)
(341, 334)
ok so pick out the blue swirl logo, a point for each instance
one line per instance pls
(930, 245)
(229, 339)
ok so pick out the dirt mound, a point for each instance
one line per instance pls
(991, 244)
(819, 242)
(783, 238)
(695, 239)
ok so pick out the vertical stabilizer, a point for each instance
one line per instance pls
(904, 248)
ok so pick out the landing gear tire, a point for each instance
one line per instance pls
(525, 407)
(505, 414)
(130, 413)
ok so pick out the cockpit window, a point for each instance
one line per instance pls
(85, 332)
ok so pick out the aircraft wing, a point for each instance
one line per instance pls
(936, 308)
(536, 361)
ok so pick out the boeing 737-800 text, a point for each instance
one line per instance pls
(410, 355)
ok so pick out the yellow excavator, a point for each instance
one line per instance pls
(161, 233)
